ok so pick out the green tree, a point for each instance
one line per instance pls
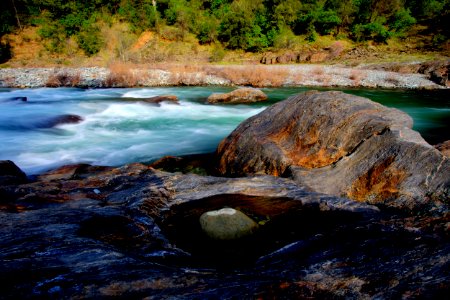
(246, 26)
(314, 18)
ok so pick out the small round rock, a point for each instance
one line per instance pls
(227, 224)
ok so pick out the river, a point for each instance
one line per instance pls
(115, 131)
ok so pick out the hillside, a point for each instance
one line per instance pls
(99, 33)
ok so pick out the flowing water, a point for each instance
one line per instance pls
(116, 131)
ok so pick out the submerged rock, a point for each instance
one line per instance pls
(163, 98)
(242, 95)
(227, 224)
(20, 98)
(154, 100)
(341, 145)
(59, 120)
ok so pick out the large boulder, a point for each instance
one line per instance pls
(343, 145)
(242, 95)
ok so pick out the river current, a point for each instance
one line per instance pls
(115, 130)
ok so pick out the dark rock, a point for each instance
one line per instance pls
(58, 120)
(133, 232)
(10, 173)
(24, 99)
(342, 145)
(201, 164)
(437, 71)
(154, 100)
(242, 95)
(444, 148)
(163, 98)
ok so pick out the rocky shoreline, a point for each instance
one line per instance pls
(358, 208)
(254, 75)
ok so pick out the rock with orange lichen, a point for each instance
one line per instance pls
(342, 145)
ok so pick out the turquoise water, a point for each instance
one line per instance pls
(115, 132)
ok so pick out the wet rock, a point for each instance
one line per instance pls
(201, 164)
(342, 145)
(163, 98)
(58, 120)
(444, 148)
(67, 172)
(242, 95)
(134, 232)
(24, 99)
(154, 100)
(10, 173)
(227, 224)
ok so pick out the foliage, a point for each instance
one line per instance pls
(5, 52)
(89, 39)
(402, 21)
(217, 53)
(250, 25)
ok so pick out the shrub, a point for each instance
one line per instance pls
(217, 53)
(5, 52)
(284, 39)
(90, 40)
(121, 75)
(402, 21)
(372, 31)
(63, 79)
(257, 76)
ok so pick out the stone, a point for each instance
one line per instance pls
(242, 95)
(227, 224)
(61, 238)
(342, 145)
(163, 98)
(154, 100)
(444, 147)
(10, 173)
(437, 71)
(20, 98)
(200, 164)
(59, 120)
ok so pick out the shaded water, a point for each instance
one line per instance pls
(115, 132)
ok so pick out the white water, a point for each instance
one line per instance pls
(117, 131)
(114, 131)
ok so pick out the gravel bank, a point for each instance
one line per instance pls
(288, 75)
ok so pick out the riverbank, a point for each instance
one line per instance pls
(122, 75)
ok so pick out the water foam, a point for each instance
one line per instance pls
(115, 132)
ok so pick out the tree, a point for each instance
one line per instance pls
(245, 26)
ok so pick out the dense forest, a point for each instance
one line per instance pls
(249, 25)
